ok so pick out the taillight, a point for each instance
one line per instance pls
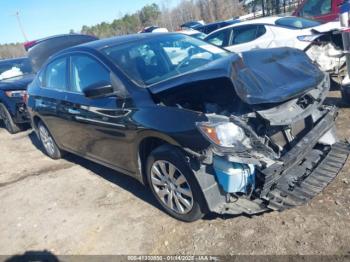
(29, 45)
(17, 94)
(26, 98)
(308, 38)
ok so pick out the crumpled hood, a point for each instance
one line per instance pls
(16, 83)
(274, 75)
(259, 77)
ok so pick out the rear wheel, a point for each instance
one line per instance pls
(49, 144)
(173, 184)
(6, 117)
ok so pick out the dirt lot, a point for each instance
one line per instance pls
(74, 206)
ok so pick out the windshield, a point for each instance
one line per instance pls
(297, 22)
(14, 67)
(314, 8)
(155, 59)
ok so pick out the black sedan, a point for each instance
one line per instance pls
(206, 130)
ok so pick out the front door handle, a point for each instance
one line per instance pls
(73, 111)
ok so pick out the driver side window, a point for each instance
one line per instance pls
(86, 71)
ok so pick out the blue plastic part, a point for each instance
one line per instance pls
(234, 177)
(345, 7)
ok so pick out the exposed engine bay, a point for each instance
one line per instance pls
(272, 128)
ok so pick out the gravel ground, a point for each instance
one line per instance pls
(74, 206)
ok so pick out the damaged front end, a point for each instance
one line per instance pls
(280, 170)
(272, 140)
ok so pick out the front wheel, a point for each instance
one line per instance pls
(49, 144)
(173, 184)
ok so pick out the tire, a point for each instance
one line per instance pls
(6, 117)
(179, 194)
(49, 145)
(345, 96)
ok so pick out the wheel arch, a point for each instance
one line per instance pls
(36, 120)
(147, 142)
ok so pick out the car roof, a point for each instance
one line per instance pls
(118, 40)
(264, 20)
(189, 32)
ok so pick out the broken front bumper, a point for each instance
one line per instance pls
(290, 191)
(300, 175)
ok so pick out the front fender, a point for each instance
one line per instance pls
(174, 125)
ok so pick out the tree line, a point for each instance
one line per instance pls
(12, 50)
(170, 18)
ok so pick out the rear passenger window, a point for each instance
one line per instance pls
(56, 74)
(86, 71)
(246, 34)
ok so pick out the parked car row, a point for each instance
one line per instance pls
(322, 42)
(207, 130)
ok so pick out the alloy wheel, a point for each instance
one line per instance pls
(47, 140)
(171, 187)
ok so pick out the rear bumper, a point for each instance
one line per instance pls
(21, 115)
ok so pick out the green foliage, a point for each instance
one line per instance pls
(129, 23)
(149, 14)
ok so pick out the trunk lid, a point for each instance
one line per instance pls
(43, 49)
(16, 83)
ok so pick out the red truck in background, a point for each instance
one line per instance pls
(322, 10)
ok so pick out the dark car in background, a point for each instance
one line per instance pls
(205, 129)
(211, 27)
(191, 25)
(15, 75)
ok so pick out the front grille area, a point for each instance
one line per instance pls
(285, 137)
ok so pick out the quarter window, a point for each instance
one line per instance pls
(219, 38)
(86, 71)
(56, 74)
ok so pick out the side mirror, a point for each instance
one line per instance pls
(99, 89)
